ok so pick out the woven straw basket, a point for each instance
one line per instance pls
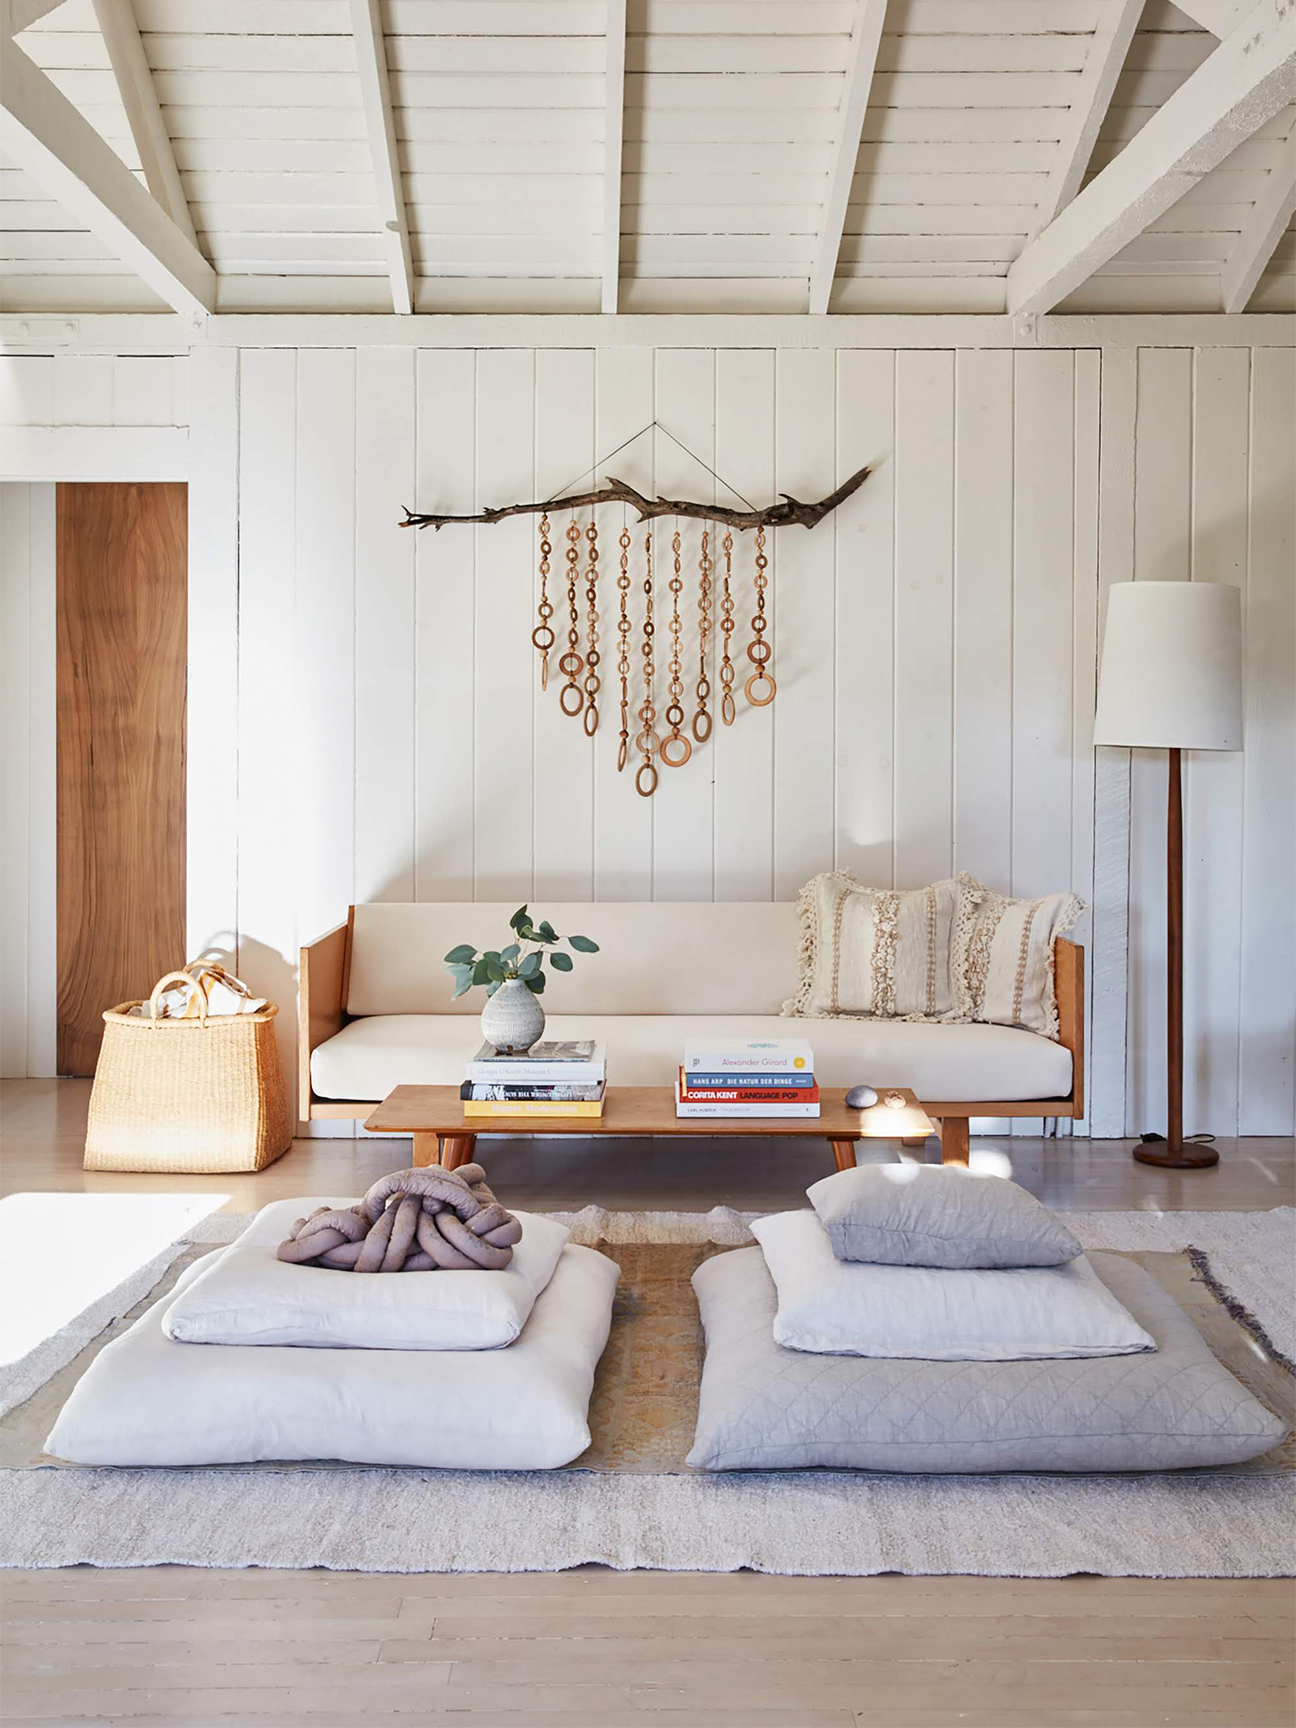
(202, 1095)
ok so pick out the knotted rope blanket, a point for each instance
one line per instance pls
(430, 1220)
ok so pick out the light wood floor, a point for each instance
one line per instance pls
(597, 1649)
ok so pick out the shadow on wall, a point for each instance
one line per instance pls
(266, 973)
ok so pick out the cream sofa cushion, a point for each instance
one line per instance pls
(875, 950)
(655, 957)
(1002, 957)
(369, 1057)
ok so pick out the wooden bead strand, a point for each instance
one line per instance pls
(759, 651)
(593, 683)
(675, 739)
(623, 646)
(542, 636)
(571, 664)
(702, 718)
(647, 741)
(727, 710)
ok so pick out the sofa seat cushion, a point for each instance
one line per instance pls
(368, 1058)
(146, 1400)
(762, 1406)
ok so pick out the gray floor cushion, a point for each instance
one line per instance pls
(764, 1407)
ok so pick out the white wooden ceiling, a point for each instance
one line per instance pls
(733, 114)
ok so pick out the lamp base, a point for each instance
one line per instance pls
(1167, 1156)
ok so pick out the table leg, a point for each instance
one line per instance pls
(457, 1149)
(955, 1148)
(844, 1153)
(426, 1151)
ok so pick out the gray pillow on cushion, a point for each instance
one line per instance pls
(937, 1215)
(764, 1407)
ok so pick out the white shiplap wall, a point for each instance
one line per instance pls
(27, 823)
(936, 646)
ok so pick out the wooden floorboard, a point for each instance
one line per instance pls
(592, 1648)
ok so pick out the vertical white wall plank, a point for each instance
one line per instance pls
(26, 390)
(865, 579)
(804, 630)
(384, 625)
(924, 563)
(1213, 780)
(15, 770)
(622, 819)
(141, 390)
(211, 751)
(1084, 658)
(272, 714)
(683, 806)
(1108, 955)
(444, 604)
(563, 761)
(325, 626)
(83, 390)
(1266, 1083)
(504, 793)
(743, 752)
(1162, 536)
(983, 617)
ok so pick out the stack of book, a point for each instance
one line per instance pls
(773, 1077)
(563, 1077)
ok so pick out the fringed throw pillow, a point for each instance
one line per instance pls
(877, 951)
(1003, 956)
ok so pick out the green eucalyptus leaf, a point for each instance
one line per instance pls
(536, 985)
(560, 962)
(494, 971)
(493, 986)
(583, 945)
(509, 955)
(481, 973)
(461, 989)
(464, 952)
(530, 967)
(547, 933)
(519, 919)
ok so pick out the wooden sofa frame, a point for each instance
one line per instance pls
(326, 969)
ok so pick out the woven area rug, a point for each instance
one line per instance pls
(629, 1501)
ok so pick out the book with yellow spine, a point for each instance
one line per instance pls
(532, 1107)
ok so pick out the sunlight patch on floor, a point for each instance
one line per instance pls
(61, 1252)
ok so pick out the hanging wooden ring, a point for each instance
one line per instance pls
(538, 636)
(759, 652)
(727, 709)
(760, 677)
(648, 790)
(674, 738)
(591, 720)
(623, 750)
(570, 664)
(702, 725)
(571, 690)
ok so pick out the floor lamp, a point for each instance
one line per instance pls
(1171, 679)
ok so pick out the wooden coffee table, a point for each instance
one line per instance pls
(434, 1116)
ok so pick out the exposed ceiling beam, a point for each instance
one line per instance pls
(375, 96)
(1102, 68)
(41, 132)
(23, 13)
(865, 41)
(1218, 16)
(1254, 246)
(1244, 83)
(613, 131)
(116, 20)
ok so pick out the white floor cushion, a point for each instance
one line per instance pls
(250, 1297)
(933, 1313)
(369, 1057)
(146, 1400)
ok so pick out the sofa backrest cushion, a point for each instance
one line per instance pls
(655, 957)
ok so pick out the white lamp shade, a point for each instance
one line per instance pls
(1171, 672)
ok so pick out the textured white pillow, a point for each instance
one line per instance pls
(145, 1400)
(932, 1314)
(876, 951)
(1002, 959)
(250, 1297)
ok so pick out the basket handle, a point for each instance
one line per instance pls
(178, 978)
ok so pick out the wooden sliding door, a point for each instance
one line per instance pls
(122, 554)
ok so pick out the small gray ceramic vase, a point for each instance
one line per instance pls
(512, 1019)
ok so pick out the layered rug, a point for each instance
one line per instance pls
(629, 1501)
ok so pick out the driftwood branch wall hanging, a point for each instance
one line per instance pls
(578, 663)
